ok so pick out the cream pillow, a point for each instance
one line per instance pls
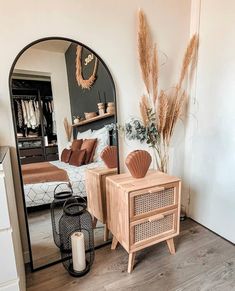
(102, 136)
(85, 134)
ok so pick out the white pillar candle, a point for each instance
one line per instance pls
(78, 251)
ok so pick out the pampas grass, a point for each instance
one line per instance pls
(145, 50)
(188, 57)
(155, 73)
(68, 129)
(167, 106)
(144, 109)
(162, 109)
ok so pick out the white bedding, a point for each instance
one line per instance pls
(43, 193)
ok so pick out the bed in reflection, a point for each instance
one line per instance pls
(39, 193)
(41, 179)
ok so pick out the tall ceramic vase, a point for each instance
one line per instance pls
(138, 163)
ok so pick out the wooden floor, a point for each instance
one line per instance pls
(44, 250)
(203, 261)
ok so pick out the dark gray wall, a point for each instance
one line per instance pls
(84, 100)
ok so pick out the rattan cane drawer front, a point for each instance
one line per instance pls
(154, 228)
(152, 199)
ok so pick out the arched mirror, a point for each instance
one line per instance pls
(64, 109)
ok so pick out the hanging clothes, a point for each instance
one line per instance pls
(24, 113)
(26, 103)
(53, 119)
(48, 117)
(37, 113)
(20, 119)
(32, 115)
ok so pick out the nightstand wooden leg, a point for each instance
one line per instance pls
(94, 222)
(131, 262)
(106, 233)
(114, 243)
(171, 245)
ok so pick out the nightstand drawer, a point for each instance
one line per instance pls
(156, 199)
(153, 228)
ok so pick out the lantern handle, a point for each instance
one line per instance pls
(66, 209)
(74, 200)
(63, 194)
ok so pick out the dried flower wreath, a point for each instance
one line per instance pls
(85, 84)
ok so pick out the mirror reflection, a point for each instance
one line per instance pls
(63, 101)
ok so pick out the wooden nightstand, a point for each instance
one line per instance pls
(143, 212)
(96, 194)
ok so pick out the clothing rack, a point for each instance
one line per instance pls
(24, 96)
(34, 148)
(25, 89)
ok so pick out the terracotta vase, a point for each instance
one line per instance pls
(111, 108)
(138, 163)
(109, 156)
(101, 107)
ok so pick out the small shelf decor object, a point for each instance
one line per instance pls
(101, 108)
(93, 119)
(143, 212)
(76, 119)
(96, 194)
(109, 156)
(62, 193)
(76, 238)
(110, 108)
(138, 163)
(84, 83)
(90, 115)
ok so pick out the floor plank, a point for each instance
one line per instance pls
(202, 261)
(218, 278)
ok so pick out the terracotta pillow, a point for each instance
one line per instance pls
(88, 145)
(77, 158)
(93, 152)
(65, 155)
(76, 144)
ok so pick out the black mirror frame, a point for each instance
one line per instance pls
(15, 132)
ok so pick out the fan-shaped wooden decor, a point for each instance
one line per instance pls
(138, 163)
(109, 156)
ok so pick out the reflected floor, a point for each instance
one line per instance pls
(44, 250)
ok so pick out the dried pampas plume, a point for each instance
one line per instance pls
(155, 74)
(145, 50)
(189, 56)
(68, 129)
(162, 108)
(144, 108)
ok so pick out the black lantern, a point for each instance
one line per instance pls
(75, 219)
(62, 193)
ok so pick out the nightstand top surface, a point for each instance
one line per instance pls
(102, 170)
(153, 178)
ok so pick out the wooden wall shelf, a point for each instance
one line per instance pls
(93, 119)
